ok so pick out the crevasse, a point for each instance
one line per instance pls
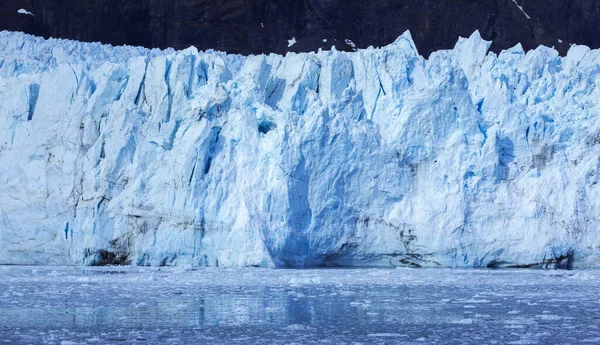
(115, 155)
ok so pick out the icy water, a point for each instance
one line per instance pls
(244, 306)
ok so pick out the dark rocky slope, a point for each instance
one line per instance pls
(235, 25)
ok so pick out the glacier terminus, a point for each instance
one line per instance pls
(380, 157)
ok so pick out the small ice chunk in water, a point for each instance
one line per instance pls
(386, 335)
(298, 327)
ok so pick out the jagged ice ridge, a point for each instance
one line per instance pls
(114, 155)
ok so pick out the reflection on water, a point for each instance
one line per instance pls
(52, 305)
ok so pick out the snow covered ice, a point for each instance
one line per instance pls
(75, 305)
(24, 11)
(380, 157)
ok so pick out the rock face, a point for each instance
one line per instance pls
(263, 26)
(377, 157)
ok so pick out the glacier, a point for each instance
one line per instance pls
(380, 157)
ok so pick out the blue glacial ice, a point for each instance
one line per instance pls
(372, 158)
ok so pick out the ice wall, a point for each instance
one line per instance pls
(379, 157)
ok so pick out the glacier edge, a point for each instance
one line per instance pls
(122, 155)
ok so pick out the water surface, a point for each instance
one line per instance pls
(68, 305)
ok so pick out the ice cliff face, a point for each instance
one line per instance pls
(379, 157)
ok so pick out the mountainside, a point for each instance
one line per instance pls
(378, 157)
(263, 26)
